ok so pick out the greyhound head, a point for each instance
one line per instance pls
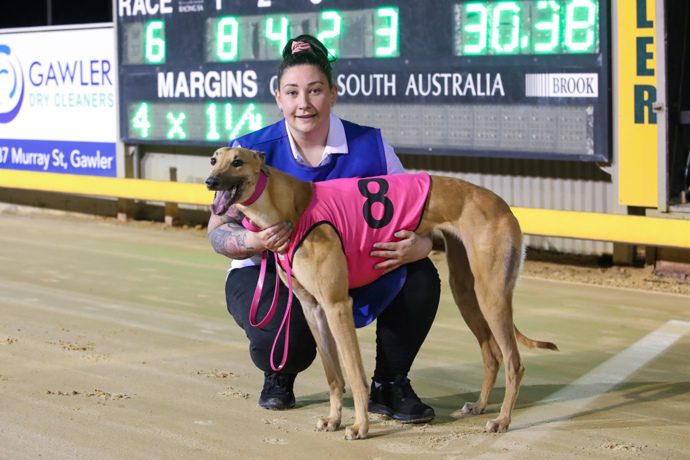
(234, 175)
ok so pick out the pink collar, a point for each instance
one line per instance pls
(260, 186)
(246, 223)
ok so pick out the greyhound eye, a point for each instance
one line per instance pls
(213, 161)
(237, 163)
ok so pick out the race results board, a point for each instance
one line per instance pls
(513, 79)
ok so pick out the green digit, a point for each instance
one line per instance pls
(391, 32)
(141, 120)
(281, 36)
(155, 42)
(548, 28)
(251, 119)
(212, 123)
(176, 126)
(479, 28)
(255, 119)
(579, 33)
(227, 42)
(513, 29)
(228, 118)
(332, 33)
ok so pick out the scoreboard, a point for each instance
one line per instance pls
(512, 79)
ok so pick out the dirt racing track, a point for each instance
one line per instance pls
(115, 344)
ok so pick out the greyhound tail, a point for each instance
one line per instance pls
(526, 341)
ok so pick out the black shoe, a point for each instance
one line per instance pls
(399, 401)
(277, 393)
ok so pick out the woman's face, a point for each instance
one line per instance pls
(306, 100)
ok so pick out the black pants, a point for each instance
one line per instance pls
(400, 329)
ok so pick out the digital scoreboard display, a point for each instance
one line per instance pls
(520, 79)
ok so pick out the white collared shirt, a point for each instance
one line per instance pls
(337, 143)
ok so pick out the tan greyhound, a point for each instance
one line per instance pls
(484, 251)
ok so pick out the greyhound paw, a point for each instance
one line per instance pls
(327, 424)
(472, 409)
(496, 426)
(356, 432)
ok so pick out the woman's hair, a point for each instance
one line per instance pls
(316, 54)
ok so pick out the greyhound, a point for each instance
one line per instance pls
(484, 250)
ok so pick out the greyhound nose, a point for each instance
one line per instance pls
(212, 182)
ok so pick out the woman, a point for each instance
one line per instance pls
(314, 145)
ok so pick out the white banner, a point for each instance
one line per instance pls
(561, 85)
(57, 101)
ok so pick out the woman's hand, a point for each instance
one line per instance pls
(410, 248)
(275, 238)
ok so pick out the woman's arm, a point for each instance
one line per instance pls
(229, 238)
(411, 247)
(227, 235)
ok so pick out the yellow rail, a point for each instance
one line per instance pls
(649, 231)
(149, 190)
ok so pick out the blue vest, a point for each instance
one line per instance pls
(366, 158)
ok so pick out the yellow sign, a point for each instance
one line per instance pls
(637, 92)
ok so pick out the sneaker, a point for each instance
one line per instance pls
(277, 393)
(399, 401)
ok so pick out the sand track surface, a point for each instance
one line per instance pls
(115, 344)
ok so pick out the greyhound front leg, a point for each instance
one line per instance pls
(331, 365)
(321, 268)
(328, 350)
(342, 326)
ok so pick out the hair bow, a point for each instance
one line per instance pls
(300, 46)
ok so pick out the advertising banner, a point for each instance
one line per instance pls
(57, 101)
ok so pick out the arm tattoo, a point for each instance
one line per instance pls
(229, 237)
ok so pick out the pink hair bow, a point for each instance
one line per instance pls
(300, 46)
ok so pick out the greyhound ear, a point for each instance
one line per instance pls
(262, 156)
(259, 155)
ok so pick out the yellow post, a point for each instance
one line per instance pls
(635, 114)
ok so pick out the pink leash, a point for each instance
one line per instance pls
(257, 295)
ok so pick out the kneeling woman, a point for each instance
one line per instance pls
(313, 144)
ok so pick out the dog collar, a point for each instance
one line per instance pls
(246, 223)
(260, 186)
